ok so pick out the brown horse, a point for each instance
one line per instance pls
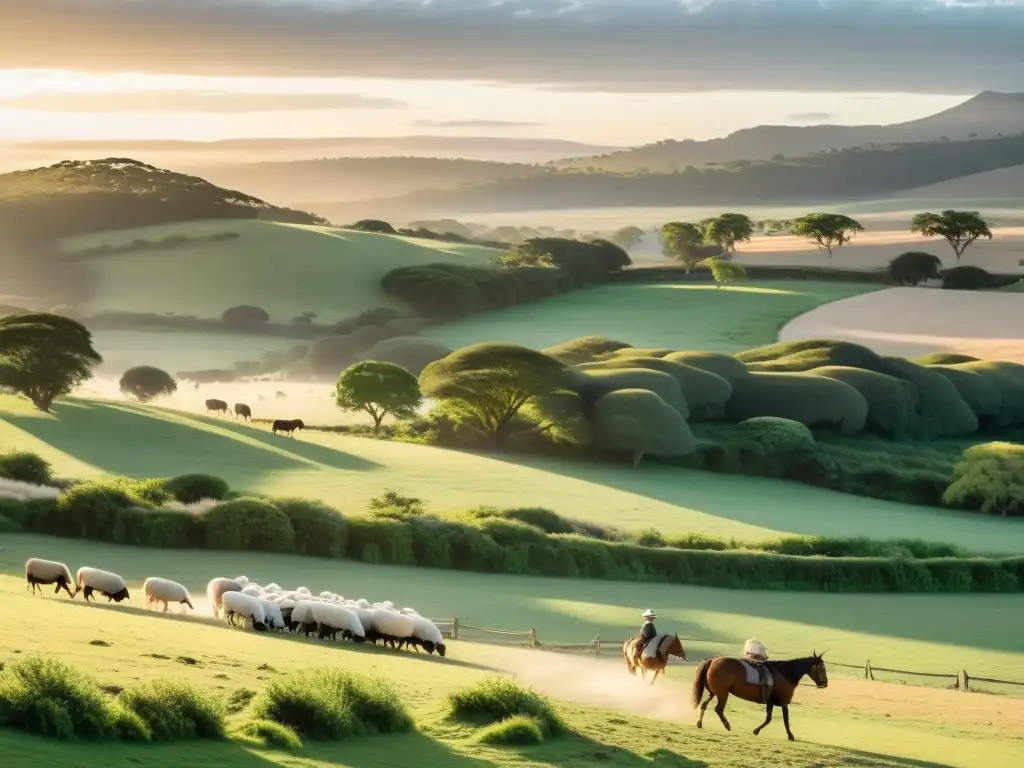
(668, 645)
(722, 676)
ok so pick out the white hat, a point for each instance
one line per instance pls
(649, 614)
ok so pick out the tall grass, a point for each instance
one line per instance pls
(173, 710)
(497, 699)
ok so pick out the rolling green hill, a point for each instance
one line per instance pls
(286, 269)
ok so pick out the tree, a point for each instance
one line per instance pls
(828, 230)
(728, 229)
(145, 382)
(492, 383)
(244, 317)
(628, 238)
(723, 271)
(379, 389)
(43, 356)
(525, 255)
(958, 228)
(915, 267)
(682, 241)
(639, 421)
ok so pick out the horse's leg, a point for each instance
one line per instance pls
(767, 719)
(704, 706)
(655, 676)
(785, 720)
(723, 699)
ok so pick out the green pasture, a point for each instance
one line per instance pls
(286, 269)
(841, 726)
(676, 316)
(86, 438)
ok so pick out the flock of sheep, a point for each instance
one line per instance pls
(288, 426)
(242, 602)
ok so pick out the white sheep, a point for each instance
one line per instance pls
(302, 619)
(275, 619)
(165, 591)
(243, 581)
(253, 590)
(272, 588)
(332, 618)
(393, 627)
(39, 571)
(426, 634)
(216, 590)
(245, 607)
(108, 584)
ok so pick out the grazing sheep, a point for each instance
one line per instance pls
(243, 410)
(216, 406)
(288, 426)
(108, 584)
(216, 590)
(253, 590)
(426, 634)
(393, 627)
(165, 591)
(302, 618)
(39, 572)
(331, 619)
(243, 581)
(275, 617)
(245, 607)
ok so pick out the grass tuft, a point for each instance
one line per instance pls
(513, 731)
(174, 711)
(273, 735)
(496, 699)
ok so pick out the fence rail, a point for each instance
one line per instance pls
(456, 630)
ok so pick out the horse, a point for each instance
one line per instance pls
(664, 645)
(722, 676)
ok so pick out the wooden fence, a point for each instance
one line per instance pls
(456, 629)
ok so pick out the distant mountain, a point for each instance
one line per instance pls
(844, 176)
(986, 115)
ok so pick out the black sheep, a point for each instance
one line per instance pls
(288, 426)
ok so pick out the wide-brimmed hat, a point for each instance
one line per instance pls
(649, 614)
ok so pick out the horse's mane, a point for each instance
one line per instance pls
(793, 669)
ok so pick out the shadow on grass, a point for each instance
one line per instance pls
(414, 749)
(131, 440)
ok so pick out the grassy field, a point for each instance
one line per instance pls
(286, 269)
(87, 438)
(851, 723)
(691, 317)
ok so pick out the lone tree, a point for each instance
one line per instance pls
(638, 421)
(379, 389)
(728, 229)
(683, 242)
(628, 238)
(244, 317)
(492, 383)
(959, 228)
(145, 382)
(723, 271)
(44, 356)
(915, 267)
(828, 230)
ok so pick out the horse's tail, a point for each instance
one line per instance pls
(700, 683)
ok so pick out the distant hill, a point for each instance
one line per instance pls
(987, 115)
(1006, 183)
(843, 176)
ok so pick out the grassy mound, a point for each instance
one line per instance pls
(174, 710)
(496, 699)
(584, 350)
(329, 704)
(594, 383)
(798, 356)
(892, 403)
(726, 366)
(272, 735)
(813, 401)
(515, 731)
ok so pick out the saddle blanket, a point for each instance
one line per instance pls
(754, 674)
(651, 651)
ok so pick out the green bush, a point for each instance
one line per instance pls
(779, 437)
(174, 710)
(380, 540)
(943, 412)
(7, 525)
(249, 524)
(328, 704)
(320, 531)
(980, 392)
(519, 731)
(50, 698)
(273, 735)
(966, 278)
(639, 421)
(89, 510)
(25, 467)
(892, 403)
(943, 358)
(989, 479)
(814, 401)
(725, 366)
(800, 356)
(495, 699)
(188, 489)
(583, 350)
(157, 528)
(1008, 379)
(594, 383)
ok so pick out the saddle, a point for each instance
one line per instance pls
(759, 674)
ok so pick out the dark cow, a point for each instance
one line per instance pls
(243, 410)
(217, 406)
(288, 426)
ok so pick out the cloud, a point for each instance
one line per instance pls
(925, 46)
(810, 117)
(478, 124)
(193, 101)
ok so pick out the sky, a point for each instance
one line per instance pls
(614, 72)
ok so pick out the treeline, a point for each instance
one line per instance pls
(849, 174)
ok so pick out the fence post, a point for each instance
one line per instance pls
(870, 671)
(967, 680)
(533, 638)
(455, 628)
(597, 645)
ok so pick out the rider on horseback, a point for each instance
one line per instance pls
(755, 653)
(647, 633)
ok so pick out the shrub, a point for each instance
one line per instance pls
(966, 279)
(943, 358)
(273, 735)
(513, 731)
(328, 704)
(249, 524)
(782, 438)
(639, 421)
(7, 525)
(594, 383)
(943, 412)
(726, 366)
(979, 392)
(892, 403)
(380, 540)
(814, 401)
(915, 267)
(174, 710)
(1008, 379)
(50, 698)
(188, 489)
(25, 467)
(320, 531)
(800, 356)
(583, 350)
(145, 382)
(496, 699)
(89, 510)
(244, 317)
(374, 225)
(989, 479)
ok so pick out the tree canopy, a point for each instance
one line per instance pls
(683, 242)
(144, 382)
(915, 267)
(43, 356)
(723, 271)
(727, 229)
(379, 389)
(492, 382)
(828, 230)
(628, 238)
(958, 228)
